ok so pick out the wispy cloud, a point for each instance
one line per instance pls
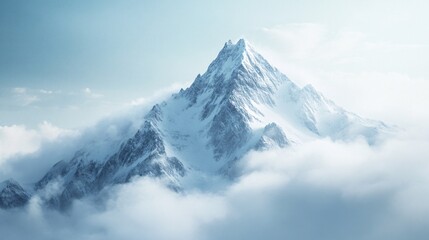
(25, 97)
(312, 42)
(46, 91)
(19, 90)
(89, 93)
(157, 95)
(30, 106)
(30, 96)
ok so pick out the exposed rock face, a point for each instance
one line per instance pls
(272, 136)
(12, 194)
(141, 155)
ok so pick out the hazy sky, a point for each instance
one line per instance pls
(63, 59)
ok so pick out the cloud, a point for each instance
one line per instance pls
(18, 142)
(19, 90)
(44, 91)
(24, 97)
(319, 45)
(17, 139)
(314, 42)
(157, 95)
(31, 106)
(393, 97)
(89, 93)
(45, 98)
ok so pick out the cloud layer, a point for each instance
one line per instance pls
(318, 190)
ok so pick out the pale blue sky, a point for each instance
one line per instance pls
(72, 62)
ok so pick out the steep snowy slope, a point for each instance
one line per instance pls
(240, 104)
(142, 154)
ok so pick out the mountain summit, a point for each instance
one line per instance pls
(240, 104)
(240, 66)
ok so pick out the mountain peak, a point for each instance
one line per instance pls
(12, 194)
(234, 58)
(241, 51)
(242, 44)
(8, 182)
(238, 72)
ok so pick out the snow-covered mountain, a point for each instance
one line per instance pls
(241, 103)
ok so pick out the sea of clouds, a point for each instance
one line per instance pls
(318, 190)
